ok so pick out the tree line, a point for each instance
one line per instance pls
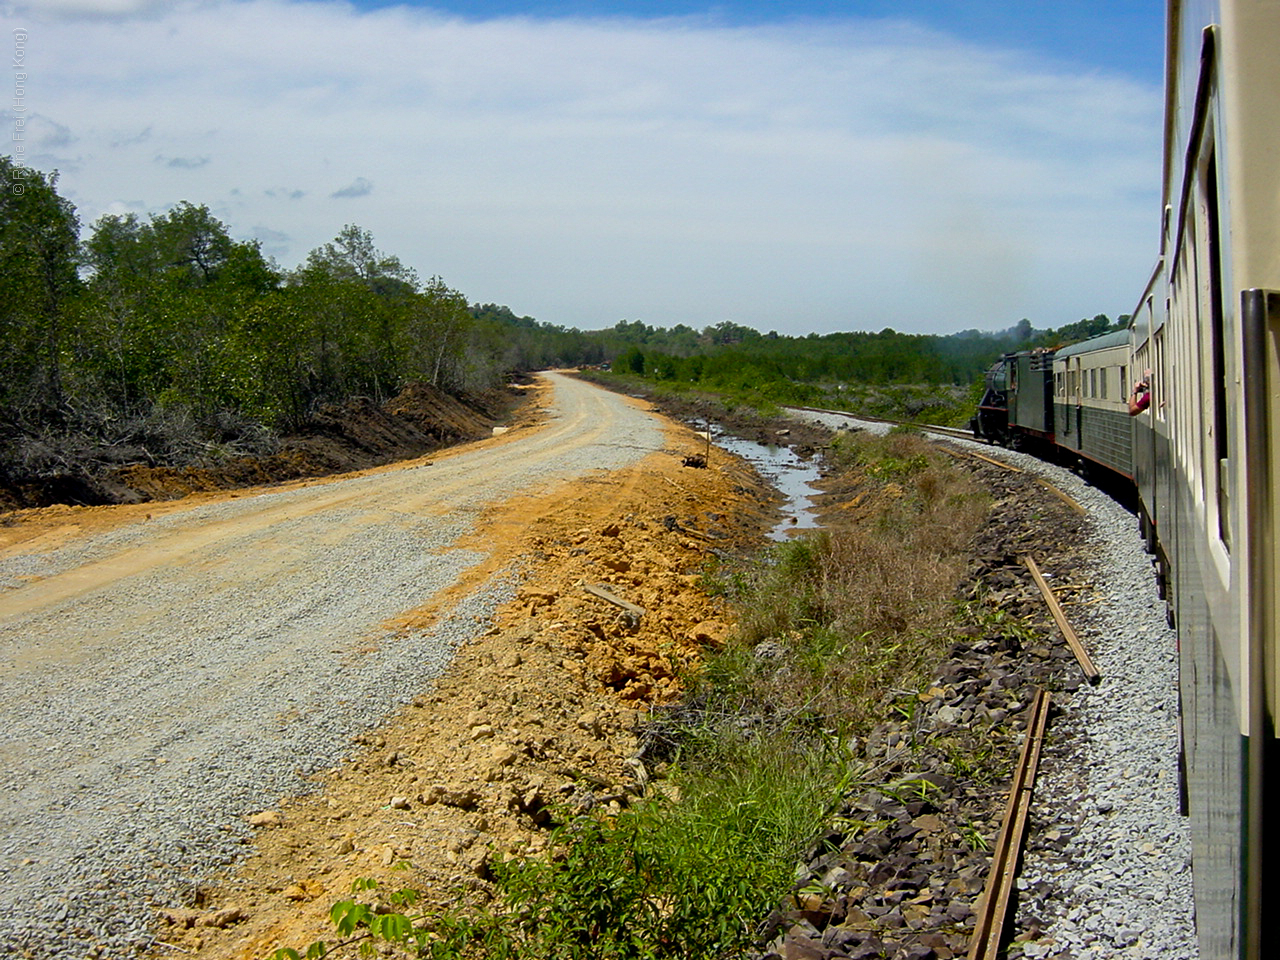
(171, 313)
(730, 357)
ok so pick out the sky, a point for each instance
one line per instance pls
(924, 165)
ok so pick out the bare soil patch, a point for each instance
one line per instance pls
(536, 714)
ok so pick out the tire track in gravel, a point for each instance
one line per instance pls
(161, 680)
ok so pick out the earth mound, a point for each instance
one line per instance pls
(354, 435)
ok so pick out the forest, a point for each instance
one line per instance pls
(146, 326)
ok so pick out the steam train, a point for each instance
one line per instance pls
(1204, 457)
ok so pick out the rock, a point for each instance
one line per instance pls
(265, 818)
(399, 803)
(802, 948)
(459, 795)
(181, 918)
(928, 823)
(503, 755)
(769, 650)
(712, 633)
(223, 918)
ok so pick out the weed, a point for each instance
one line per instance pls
(832, 628)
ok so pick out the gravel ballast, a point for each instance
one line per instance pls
(163, 681)
(1107, 867)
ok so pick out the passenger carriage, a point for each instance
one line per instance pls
(1216, 363)
(1090, 401)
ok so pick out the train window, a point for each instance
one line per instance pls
(1219, 447)
(1104, 378)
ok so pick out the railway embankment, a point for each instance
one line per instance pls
(1106, 871)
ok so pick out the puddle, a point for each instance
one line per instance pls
(790, 473)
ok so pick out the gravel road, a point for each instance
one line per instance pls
(163, 680)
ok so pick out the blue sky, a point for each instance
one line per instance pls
(1109, 34)
(927, 166)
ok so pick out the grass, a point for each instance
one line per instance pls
(831, 630)
(942, 404)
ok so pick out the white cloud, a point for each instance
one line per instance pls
(94, 8)
(838, 175)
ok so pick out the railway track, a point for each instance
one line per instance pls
(992, 915)
(927, 427)
(954, 433)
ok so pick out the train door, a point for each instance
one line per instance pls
(1079, 401)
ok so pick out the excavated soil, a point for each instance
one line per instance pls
(338, 438)
(539, 710)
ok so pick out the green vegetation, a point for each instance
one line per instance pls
(754, 762)
(168, 335)
(920, 377)
(172, 313)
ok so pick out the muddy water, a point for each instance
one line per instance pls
(792, 475)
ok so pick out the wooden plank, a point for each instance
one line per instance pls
(1065, 498)
(1073, 641)
(603, 594)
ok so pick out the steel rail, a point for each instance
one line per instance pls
(989, 929)
(1064, 497)
(931, 428)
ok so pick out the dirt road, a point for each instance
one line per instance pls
(165, 673)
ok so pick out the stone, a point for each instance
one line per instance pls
(265, 818)
(928, 823)
(503, 755)
(223, 918)
(459, 795)
(802, 948)
(181, 918)
(712, 633)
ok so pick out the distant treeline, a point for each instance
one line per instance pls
(834, 369)
(171, 313)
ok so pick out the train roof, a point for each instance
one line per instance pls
(1118, 338)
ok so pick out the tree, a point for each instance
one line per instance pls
(168, 293)
(439, 325)
(351, 255)
(39, 252)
